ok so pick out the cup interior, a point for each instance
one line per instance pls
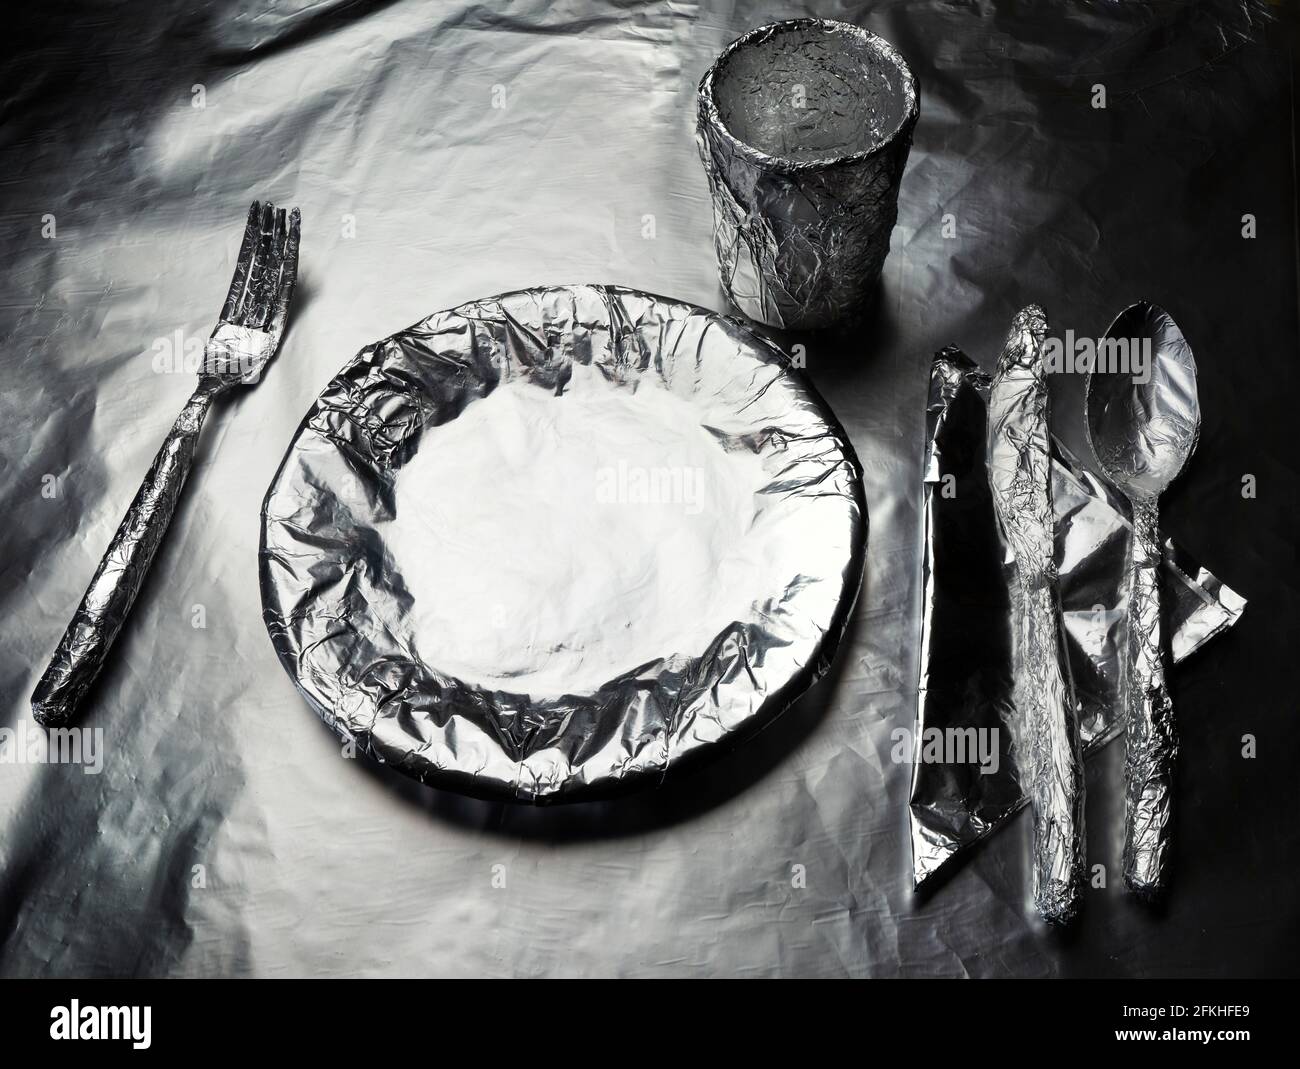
(812, 91)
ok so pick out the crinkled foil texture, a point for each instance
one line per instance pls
(337, 607)
(1047, 728)
(801, 245)
(967, 675)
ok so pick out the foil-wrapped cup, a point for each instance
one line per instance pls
(804, 129)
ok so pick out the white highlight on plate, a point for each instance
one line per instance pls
(635, 535)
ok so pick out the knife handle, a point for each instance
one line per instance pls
(1152, 740)
(1056, 789)
(85, 644)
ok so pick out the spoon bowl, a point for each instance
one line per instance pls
(1142, 411)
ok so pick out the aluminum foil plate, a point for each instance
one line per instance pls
(557, 543)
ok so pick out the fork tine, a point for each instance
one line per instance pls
(266, 272)
(242, 265)
(288, 275)
(277, 242)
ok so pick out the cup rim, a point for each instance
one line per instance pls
(710, 113)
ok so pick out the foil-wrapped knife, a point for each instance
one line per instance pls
(1019, 455)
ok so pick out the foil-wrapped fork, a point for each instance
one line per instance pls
(246, 337)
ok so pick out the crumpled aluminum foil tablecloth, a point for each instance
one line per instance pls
(441, 153)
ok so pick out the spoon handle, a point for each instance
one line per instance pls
(1152, 742)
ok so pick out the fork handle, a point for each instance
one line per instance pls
(85, 644)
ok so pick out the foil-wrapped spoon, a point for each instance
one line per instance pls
(1143, 419)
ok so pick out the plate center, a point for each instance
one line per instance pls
(632, 535)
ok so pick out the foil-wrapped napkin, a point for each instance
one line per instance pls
(966, 689)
